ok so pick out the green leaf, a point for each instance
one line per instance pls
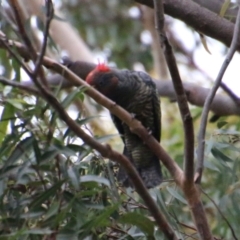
(100, 220)
(176, 195)
(39, 231)
(221, 156)
(53, 210)
(211, 166)
(204, 42)
(16, 67)
(42, 197)
(224, 8)
(105, 138)
(70, 97)
(17, 103)
(73, 177)
(139, 220)
(36, 151)
(20, 150)
(221, 124)
(32, 215)
(87, 119)
(93, 178)
(49, 155)
(7, 114)
(64, 150)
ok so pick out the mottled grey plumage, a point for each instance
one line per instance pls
(135, 92)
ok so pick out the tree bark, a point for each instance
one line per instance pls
(199, 18)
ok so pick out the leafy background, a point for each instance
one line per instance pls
(53, 186)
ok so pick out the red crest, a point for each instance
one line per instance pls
(102, 67)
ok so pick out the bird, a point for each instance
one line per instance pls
(136, 92)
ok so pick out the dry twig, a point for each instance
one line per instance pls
(209, 99)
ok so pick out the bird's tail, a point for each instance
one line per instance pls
(151, 175)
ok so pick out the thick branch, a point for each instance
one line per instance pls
(199, 18)
(222, 105)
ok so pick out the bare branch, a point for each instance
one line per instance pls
(33, 54)
(192, 14)
(25, 38)
(206, 108)
(49, 15)
(180, 94)
(188, 187)
(18, 85)
(222, 105)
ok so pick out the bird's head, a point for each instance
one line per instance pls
(103, 79)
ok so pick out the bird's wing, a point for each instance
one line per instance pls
(155, 104)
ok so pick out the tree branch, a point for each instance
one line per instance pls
(32, 53)
(206, 108)
(29, 89)
(49, 15)
(180, 94)
(188, 186)
(192, 14)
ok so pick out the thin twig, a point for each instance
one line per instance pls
(222, 215)
(25, 38)
(18, 85)
(230, 93)
(209, 99)
(32, 52)
(180, 94)
(49, 16)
